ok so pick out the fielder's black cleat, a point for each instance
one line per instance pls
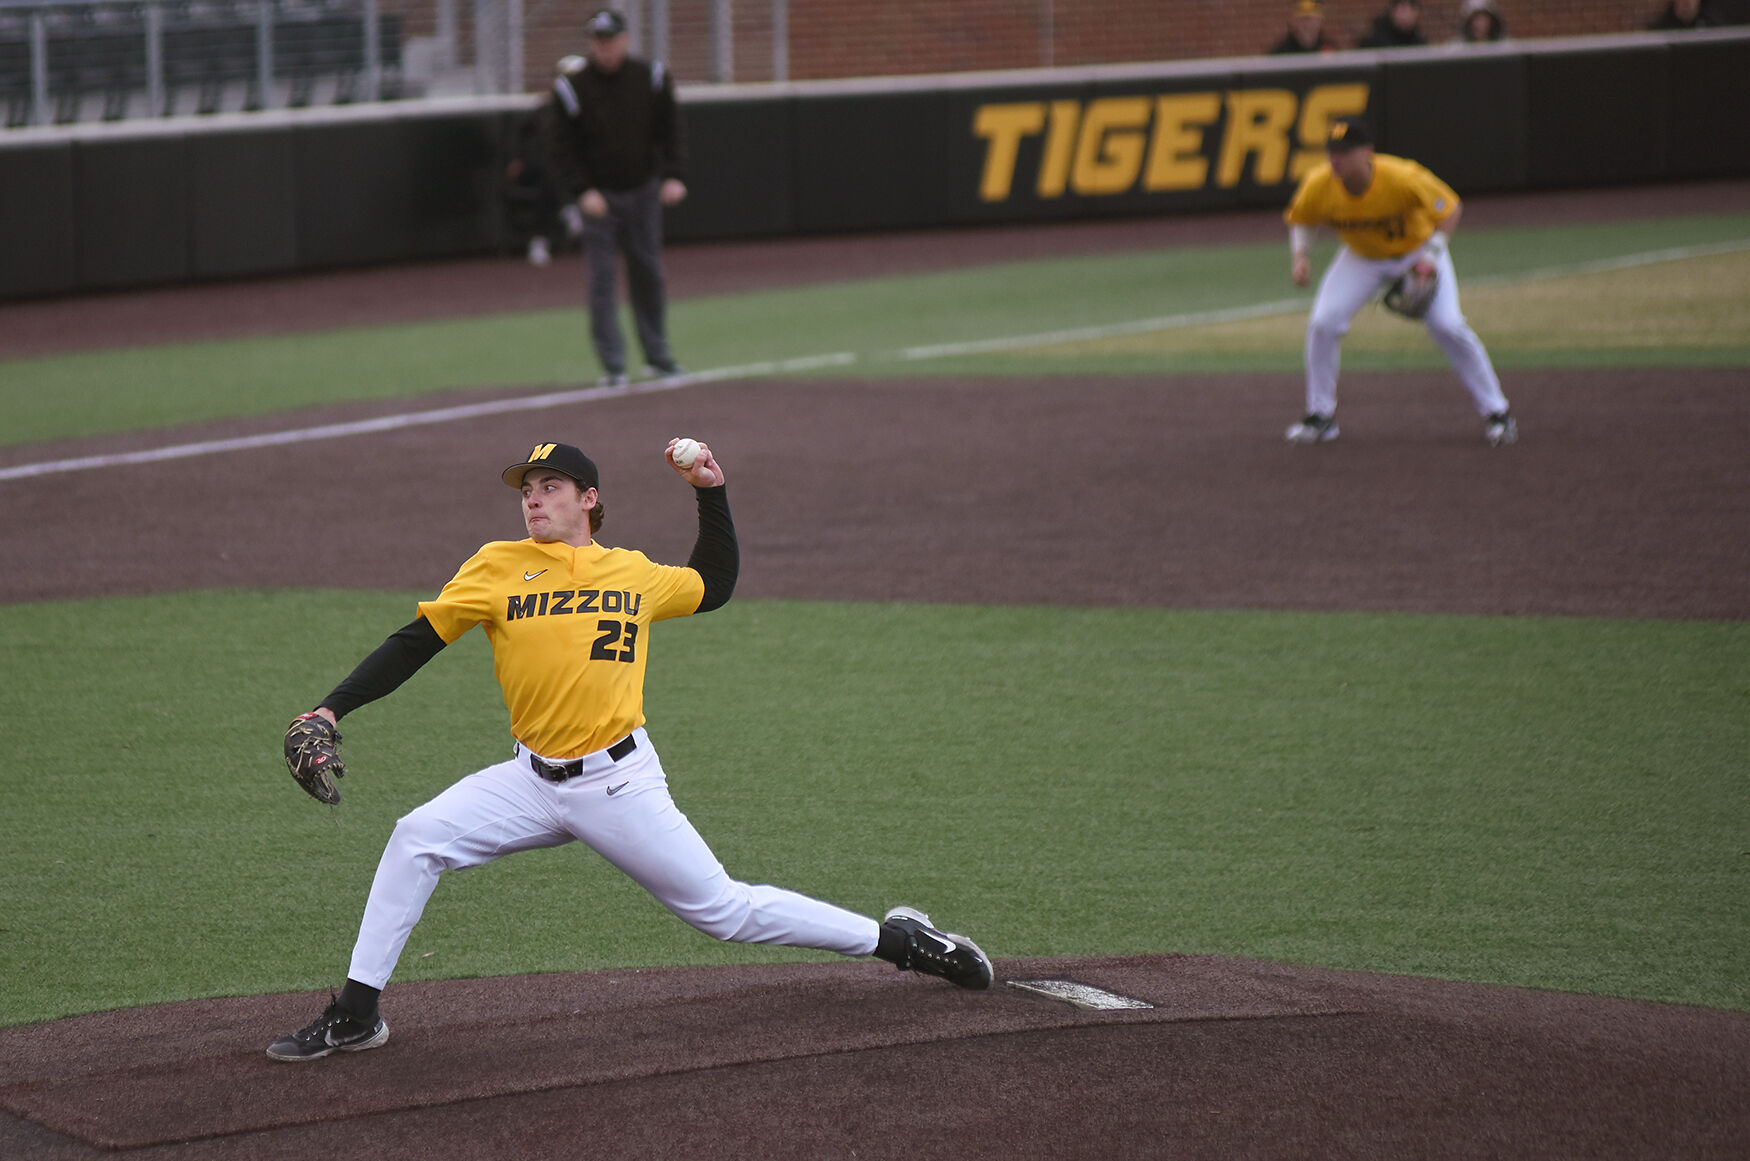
(1315, 428)
(336, 1030)
(918, 947)
(1500, 429)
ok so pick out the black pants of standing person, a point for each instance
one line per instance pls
(632, 228)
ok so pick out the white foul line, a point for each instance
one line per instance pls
(1111, 330)
(1291, 305)
(420, 418)
(805, 363)
(1625, 262)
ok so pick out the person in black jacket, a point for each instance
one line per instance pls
(619, 150)
(1399, 26)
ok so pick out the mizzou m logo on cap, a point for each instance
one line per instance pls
(555, 457)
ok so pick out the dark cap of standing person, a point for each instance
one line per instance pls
(606, 24)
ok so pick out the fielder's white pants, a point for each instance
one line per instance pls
(507, 808)
(1348, 285)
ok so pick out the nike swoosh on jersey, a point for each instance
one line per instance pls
(529, 576)
(613, 790)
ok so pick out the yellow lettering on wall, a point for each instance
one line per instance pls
(1060, 144)
(1109, 152)
(1321, 106)
(1175, 152)
(1270, 137)
(1003, 127)
(1258, 121)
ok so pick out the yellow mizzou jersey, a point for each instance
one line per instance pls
(1400, 209)
(567, 627)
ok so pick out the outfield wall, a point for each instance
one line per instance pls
(107, 206)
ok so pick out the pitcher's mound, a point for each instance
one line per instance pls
(1160, 1056)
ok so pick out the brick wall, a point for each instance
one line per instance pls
(852, 38)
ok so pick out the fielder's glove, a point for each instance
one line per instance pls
(313, 757)
(1413, 292)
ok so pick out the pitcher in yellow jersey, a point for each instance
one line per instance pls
(569, 620)
(1390, 214)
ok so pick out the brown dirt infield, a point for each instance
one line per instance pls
(1236, 1059)
(1627, 497)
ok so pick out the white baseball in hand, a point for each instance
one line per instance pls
(684, 452)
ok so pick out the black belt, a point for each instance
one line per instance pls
(562, 771)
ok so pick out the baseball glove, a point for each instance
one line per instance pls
(313, 756)
(1413, 292)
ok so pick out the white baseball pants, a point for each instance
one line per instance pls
(1348, 285)
(621, 810)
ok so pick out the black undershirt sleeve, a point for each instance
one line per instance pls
(716, 556)
(390, 664)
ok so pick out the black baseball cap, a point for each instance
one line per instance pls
(1347, 133)
(558, 457)
(606, 23)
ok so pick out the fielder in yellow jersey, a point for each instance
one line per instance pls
(569, 620)
(1393, 217)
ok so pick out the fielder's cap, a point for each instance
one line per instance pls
(1347, 133)
(606, 23)
(558, 457)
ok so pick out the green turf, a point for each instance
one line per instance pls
(68, 396)
(1545, 802)
(1549, 802)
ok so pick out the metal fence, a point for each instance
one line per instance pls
(63, 61)
(66, 61)
(70, 61)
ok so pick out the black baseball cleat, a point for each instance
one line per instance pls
(336, 1030)
(1500, 429)
(921, 948)
(1315, 428)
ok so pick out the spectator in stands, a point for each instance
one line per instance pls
(618, 149)
(1479, 22)
(1306, 29)
(1399, 26)
(1681, 15)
